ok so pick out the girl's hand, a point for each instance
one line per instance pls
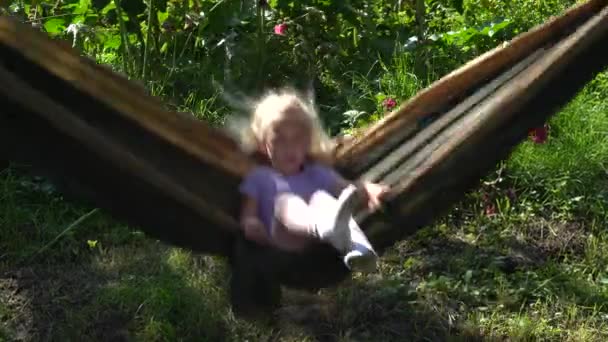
(374, 193)
(254, 230)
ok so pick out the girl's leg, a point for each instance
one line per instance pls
(344, 232)
(295, 215)
(293, 228)
(332, 216)
(328, 219)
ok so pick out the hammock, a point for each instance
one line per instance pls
(99, 137)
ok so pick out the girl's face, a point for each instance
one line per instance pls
(287, 145)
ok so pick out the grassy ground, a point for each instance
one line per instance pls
(522, 258)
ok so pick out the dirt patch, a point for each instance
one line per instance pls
(439, 254)
(41, 301)
(542, 240)
(16, 320)
(554, 238)
(529, 245)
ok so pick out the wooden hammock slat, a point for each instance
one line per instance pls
(497, 109)
(503, 116)
(398, 156)
(117, 162)
(119, 102)
(115, 153)
(464, 125)
(363, 151)
(125, 97)
(26, 138)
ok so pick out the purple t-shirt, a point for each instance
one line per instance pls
(264, 183)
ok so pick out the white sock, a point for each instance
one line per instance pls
(362, 257)
(333, 217)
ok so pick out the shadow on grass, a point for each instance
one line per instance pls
(122, 286)
(136, 289)
(129, 293)
(442, 288)
(146, 291)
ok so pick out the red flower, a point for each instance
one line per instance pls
(490, 210)
(539, 134)
(389, 103)
(280, 29)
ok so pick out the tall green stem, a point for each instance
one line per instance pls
(145, 68)
(123, 38)
(261, 44)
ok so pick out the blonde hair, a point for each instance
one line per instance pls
(274, 107)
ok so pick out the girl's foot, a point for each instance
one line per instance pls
(361, 261)
(361, 257)
(334, 216)
(337, 226)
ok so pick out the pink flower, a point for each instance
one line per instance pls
(389, 103)
(280, 29)
(539, 134)
(490, 210)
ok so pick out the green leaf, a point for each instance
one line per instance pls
(380, 97)
(83, 7)
(112, 42)
(55, 25)
(69, 6)
(15, 8)
(108, 8)
(162, 16)
(468, 275)
(499, 27)
(164, 48)
(78, 19)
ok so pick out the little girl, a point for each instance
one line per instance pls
(297, 199)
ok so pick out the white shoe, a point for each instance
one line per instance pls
(361, 257)
(334, 216)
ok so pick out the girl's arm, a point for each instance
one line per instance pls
(335, 183)
(373, 192)
(250, 222)
(249, 209)
(252, 226)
